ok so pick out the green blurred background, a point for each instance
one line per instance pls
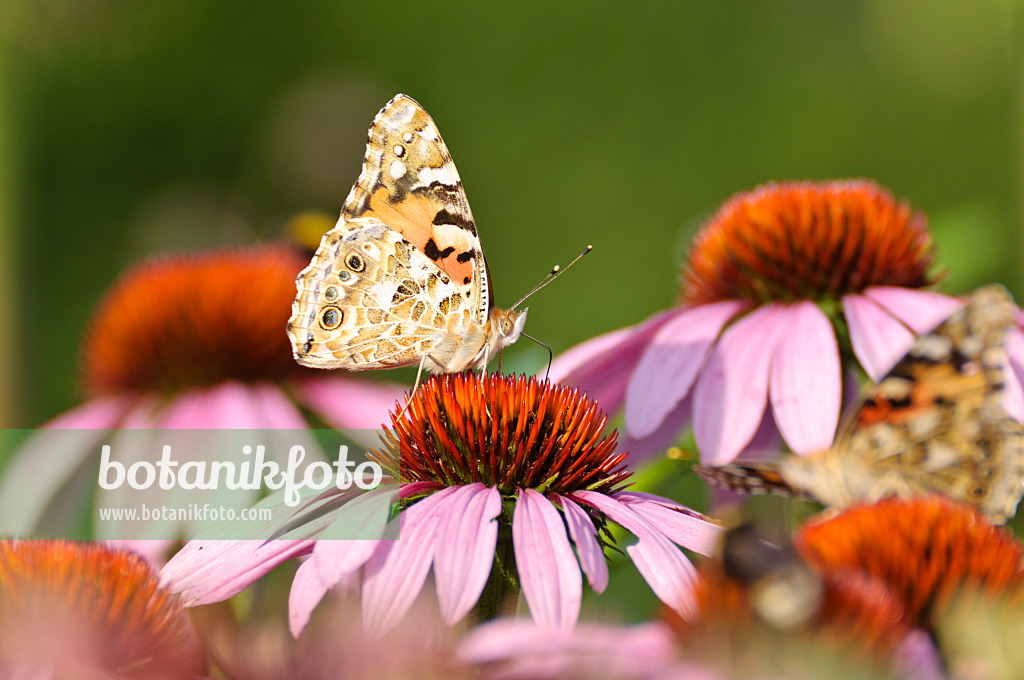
(128, 128)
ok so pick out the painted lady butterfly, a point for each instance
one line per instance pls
(401, 279)
(935, 423)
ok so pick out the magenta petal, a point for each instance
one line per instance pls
(806, 380)
(349, 403)
(664, 566)
(207, 571)
(548, 571)
(584, 535)
(337, 558)
(732, 389)
(276, 410)
(654, 444)
(601, 366)
(97, 414)
(353, 534)
(1013, 398)
(678, 523)
(920, 310)
(879, 340)
(306, 593)
(466, 538)
(394, 574)
(670, 363)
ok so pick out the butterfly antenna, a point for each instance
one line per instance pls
(555, 272)
(550, 355)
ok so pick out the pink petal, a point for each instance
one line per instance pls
(97, 414)
(601, 366)
(879, 340)
(213, 570)
(548, 571)
(350, 403)
(679, 524)
(654, 445)
(354, 534)
(519, 648)
(732, 390)
(466, 538)
(664, 566)
(306, 593)
(50, 458)
(806, 380)
(920, 310)
(276, 409)
(1013, 398)
(584, 535)
(670, 363)
(154, 551)
(394, 574)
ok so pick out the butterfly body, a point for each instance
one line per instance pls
(934, 424)
(401, 279)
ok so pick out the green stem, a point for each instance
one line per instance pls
(501, 594)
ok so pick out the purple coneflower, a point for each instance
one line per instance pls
(82, 610)
(771, 279)
(193, 341)
(506, 484)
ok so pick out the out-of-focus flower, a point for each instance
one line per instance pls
(186, 342)
(771, 279)
(924, 549)
(501, 477)
(73, 610)
(334, 645)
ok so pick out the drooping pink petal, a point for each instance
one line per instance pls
(670, 363)
(467, 534)
(520, 649)
(584, 535)
(678, 523)
(806, 379)
(654, 444)
(879, 340)
(601, 366)
(208, 571)
(354, 534)
(732, 390)
(548, 571)
(349, 403)
(1013, 373)
(920, 310)
(50, 457)
(664, 566)
(306, 593)
(394, 574)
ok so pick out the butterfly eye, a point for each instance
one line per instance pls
(355, 262)
(505, 326)
(331, 294)
(331, 318)
(344, 275)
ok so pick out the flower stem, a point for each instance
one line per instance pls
(501, 594)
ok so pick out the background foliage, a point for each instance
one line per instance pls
(133, 128)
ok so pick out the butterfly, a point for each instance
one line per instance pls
(934, 424)
(401, 279)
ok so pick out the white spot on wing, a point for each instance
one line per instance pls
(407, 137)
(445, 175)
(397, 169)
(399, 150)
(429, 133)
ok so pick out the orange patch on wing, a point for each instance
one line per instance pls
(413, 218)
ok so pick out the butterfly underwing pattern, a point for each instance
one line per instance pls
(401, 279)
(934, 424)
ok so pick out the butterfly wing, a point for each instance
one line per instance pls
(410, 183)
(936, 422)
(370, 299)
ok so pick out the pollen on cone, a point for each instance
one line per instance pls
(193, 320)
(83, 610)
(807, 240)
